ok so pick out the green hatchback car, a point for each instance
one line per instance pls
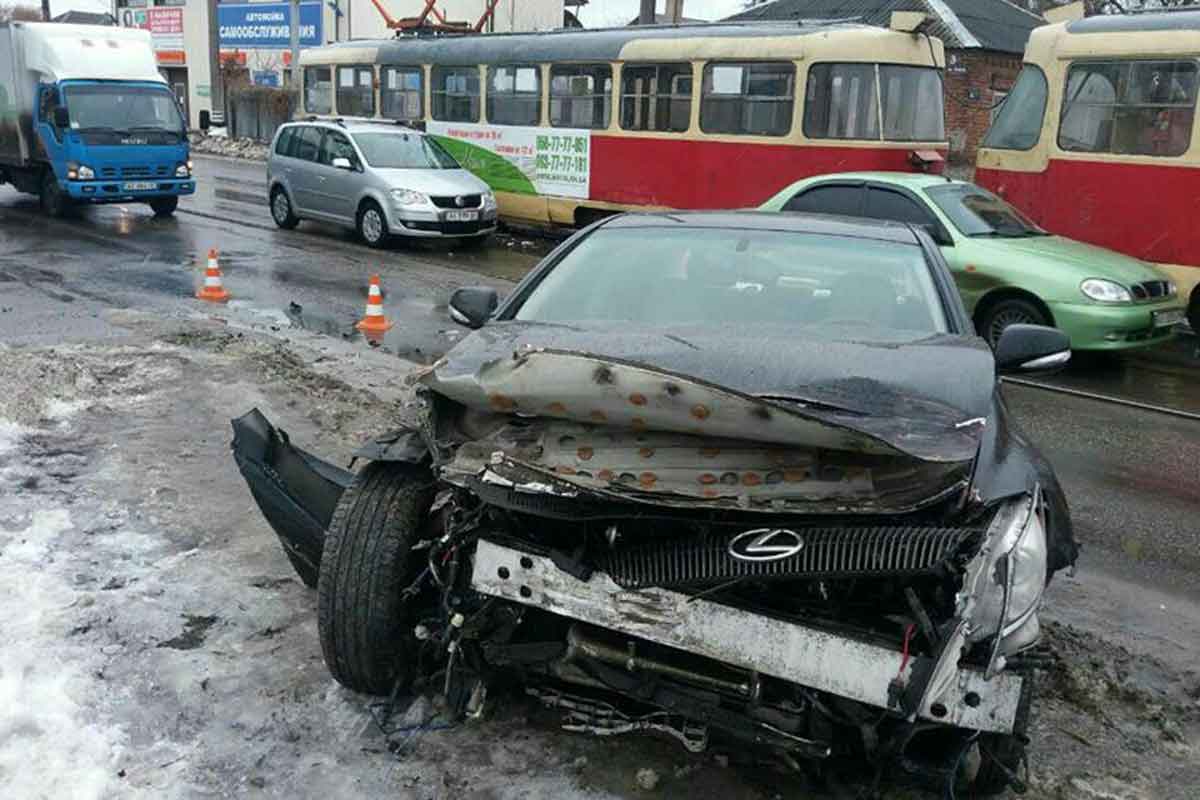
(1008, 270)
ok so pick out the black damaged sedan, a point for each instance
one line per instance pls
(711, 475)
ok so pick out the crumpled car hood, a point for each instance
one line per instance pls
(928, 399)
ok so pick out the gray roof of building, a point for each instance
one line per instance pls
(984, 24)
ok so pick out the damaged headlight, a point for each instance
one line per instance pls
(1010, 582)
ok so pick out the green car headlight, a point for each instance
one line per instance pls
(1105, 291)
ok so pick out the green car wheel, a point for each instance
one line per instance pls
(1009, 312)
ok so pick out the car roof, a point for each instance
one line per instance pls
(358, 125)
(912, 180)
(828, 224)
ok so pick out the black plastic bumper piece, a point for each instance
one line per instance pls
(296, 491)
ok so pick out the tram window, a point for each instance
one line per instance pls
(1018, 120)
(455, 94)
(318, 90)
(840, 102)
(750, 98)
(656, 97)
(580, 95)
(514, 95)
(1129, 107)
(833, 199)
(401, 94)
(356, 91)
(911, 98)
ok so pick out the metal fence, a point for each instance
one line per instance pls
(257, 113)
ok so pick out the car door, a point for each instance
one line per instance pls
(302, 168)
(337, 188)
(52, 138)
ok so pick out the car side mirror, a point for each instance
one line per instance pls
(62, 117)
(342, 163)
(473, 305)
(1027, 349)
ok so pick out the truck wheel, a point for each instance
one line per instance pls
(54, 201)
(365, 626)
(281, 209)
(372, 224)
(164, 206)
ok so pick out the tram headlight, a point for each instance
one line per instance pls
(408, 198)
(1105, 291)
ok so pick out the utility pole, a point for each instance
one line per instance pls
(46, 10)
(295, 33)
(216, 82)
(646, 14)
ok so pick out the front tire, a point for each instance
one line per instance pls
(54, 202)
(164, 206)
(365, 625)
(281, 209)
(372, 224)
(1010, 311)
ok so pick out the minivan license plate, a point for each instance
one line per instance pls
(1164, 319)
(461, 216)
(140, 186)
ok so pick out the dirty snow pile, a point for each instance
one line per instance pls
(51, 744)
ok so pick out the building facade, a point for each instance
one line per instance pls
(255, 36)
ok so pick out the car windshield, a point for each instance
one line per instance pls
(978, 212)
(403, 151)
(679, 275)
(124, 109)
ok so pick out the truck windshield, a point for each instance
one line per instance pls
(124, 110)
(403, 151)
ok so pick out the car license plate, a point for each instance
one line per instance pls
(462, 216)
(1164, 319)
(140, 186)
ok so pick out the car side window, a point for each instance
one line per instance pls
(308, 140)
(283, 145)
(886, 204)
(336, 145)
(845, 200)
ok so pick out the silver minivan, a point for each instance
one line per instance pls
(381, 179)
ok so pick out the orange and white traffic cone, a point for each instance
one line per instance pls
(374, 321)
(212, 290)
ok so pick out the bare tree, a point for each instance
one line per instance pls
(11, 12)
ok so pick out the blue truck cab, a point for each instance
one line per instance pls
(85, 117)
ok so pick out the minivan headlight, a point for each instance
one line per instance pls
(409, 198)
(1105, 291)
(489, 199)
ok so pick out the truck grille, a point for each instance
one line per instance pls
(143, 172)
(468, 201)
(827, 553)
(1150, 290)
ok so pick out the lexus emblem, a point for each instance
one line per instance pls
(766, 544)
(460, 201)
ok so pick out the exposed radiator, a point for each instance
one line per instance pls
(827, 553)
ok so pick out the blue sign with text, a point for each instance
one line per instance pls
(267, 25)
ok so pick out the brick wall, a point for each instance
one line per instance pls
(975, 80)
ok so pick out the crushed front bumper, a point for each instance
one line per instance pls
(806, 656)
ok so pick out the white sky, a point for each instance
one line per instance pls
(603, 13)
(597, 14)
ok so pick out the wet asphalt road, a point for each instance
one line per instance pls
(1131, 475)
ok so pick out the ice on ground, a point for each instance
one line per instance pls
(51, 746)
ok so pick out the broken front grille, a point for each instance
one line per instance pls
(826, 553)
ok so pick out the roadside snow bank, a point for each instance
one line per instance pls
(51, 746)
